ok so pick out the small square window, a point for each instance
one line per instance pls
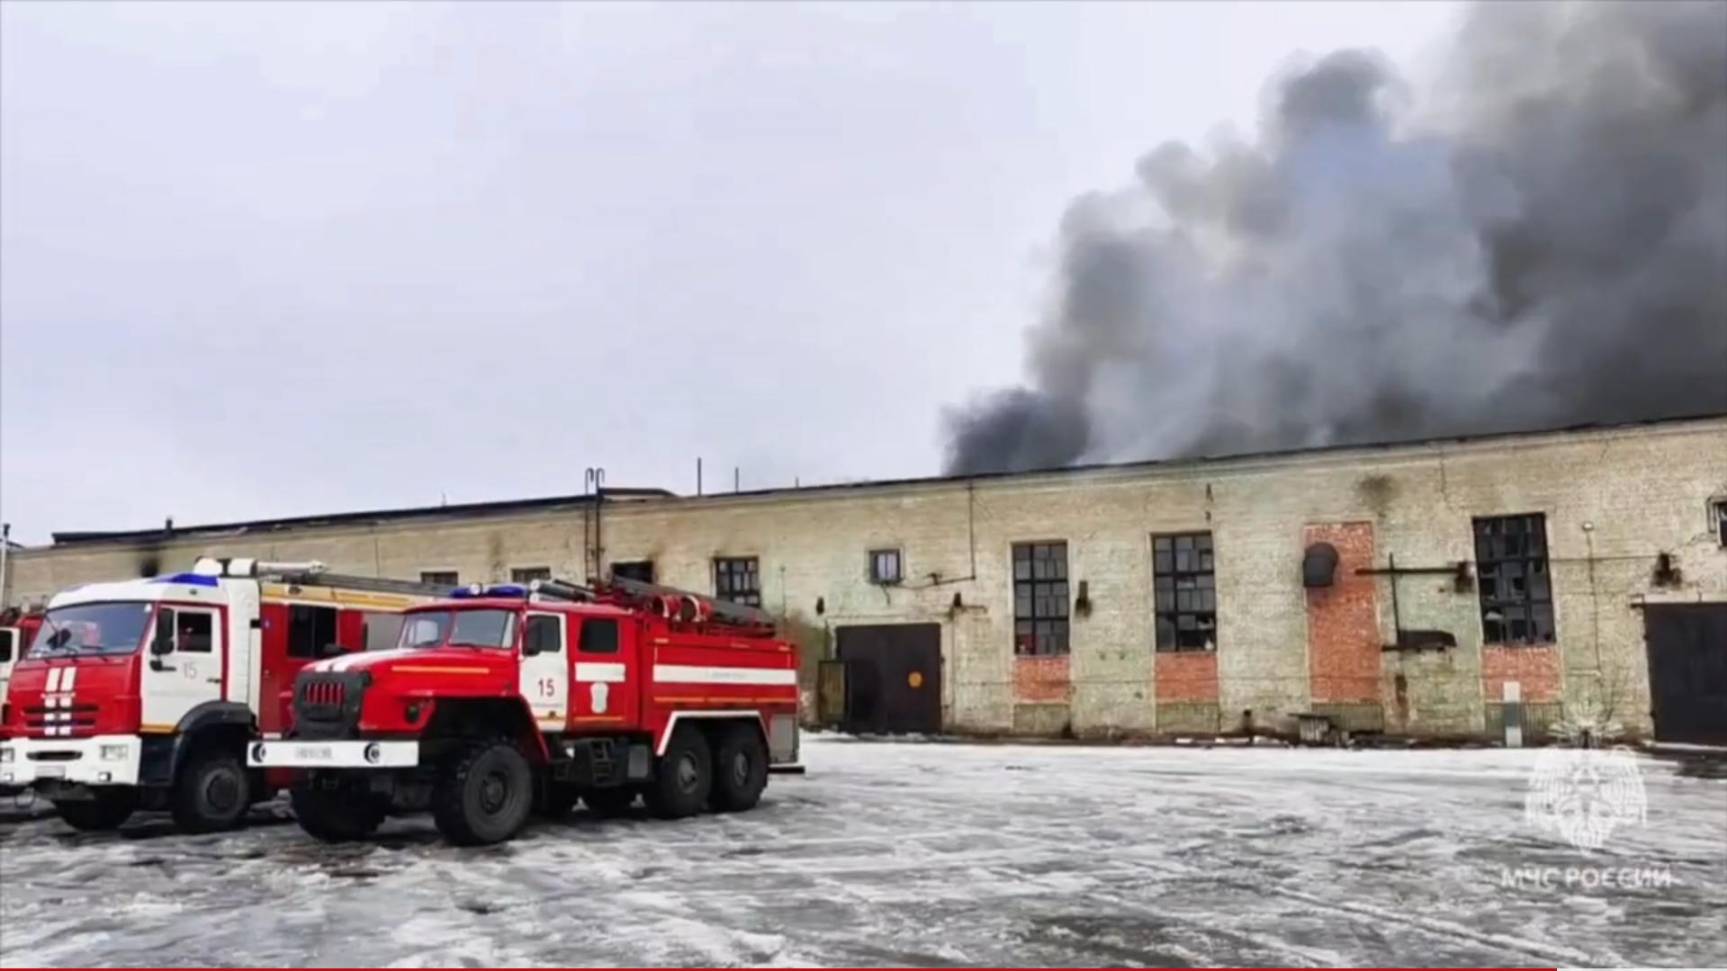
(738, 579)
(440, 578)
(884, 566)
(528, 574)
(1721, 520)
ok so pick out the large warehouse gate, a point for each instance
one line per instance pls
(892, 678)
(1688, 671)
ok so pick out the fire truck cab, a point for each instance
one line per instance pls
(17, 627)
(512, 698)
(144, 693)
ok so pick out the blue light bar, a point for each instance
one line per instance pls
(190, 579)
(495, 590)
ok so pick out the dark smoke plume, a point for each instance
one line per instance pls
(1545, 245)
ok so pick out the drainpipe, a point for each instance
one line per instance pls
(5, 550)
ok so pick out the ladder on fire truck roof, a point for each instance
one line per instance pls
(678, 606)
(311, 573)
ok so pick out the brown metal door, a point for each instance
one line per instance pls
(892, 679)
(1688, 671)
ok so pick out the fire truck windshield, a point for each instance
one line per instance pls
(460, 628)
(105, 628)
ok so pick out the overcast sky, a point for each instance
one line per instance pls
(261, 260)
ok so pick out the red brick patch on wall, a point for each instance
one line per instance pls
(1186, 675)
(1343, 642)
(1534, 668)
(1042, 679)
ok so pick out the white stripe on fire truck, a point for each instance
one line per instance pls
(66, 680)
(599, 671)
(53, 679)
(696, 674)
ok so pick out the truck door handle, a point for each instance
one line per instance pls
(212, 680)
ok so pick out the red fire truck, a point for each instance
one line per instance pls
(17, 627)
(145, 693)
(511, 697)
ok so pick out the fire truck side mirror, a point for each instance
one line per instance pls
(163, 644)
(530, 647)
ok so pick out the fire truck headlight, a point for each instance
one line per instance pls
(373, 753)
(113, 753)
(6, 753)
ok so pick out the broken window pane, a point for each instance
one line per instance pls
(1184, 586)
(1515, 590)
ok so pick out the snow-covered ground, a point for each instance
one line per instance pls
(927, 854)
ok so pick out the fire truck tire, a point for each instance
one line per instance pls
(107, 811)
(610, 802)
(211, 791)
(740, 769)
(485, 793)
(335, 816)
(684, 777)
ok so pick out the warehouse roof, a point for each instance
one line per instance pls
(552, 503)
(255, 526)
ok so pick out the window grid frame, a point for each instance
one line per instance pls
(738, 579)
(1042, 604)
(1531, 560)
(1174, 562)
(875, 574)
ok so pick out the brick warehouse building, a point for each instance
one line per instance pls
(1396, 588)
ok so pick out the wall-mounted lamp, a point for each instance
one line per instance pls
(1667, 572)
(1318, 565)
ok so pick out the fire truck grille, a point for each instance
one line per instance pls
(60, 722)
(327, 704)
(325, 694)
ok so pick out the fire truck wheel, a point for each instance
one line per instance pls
(740, 769)
(107, 811)
(684, 776)
(609, 802)
(335, 816)
(211, 792)
(485, 794)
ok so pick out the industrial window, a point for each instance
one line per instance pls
(1040, 598)
(641, 571)
(440, 578)
(739, 580)
(1516, 590)
(194, 631)
(310, 630)
(1185, 587)
(544, 634)
(1721, 519)
(884, 566)
(528, 574)
(599, 636)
